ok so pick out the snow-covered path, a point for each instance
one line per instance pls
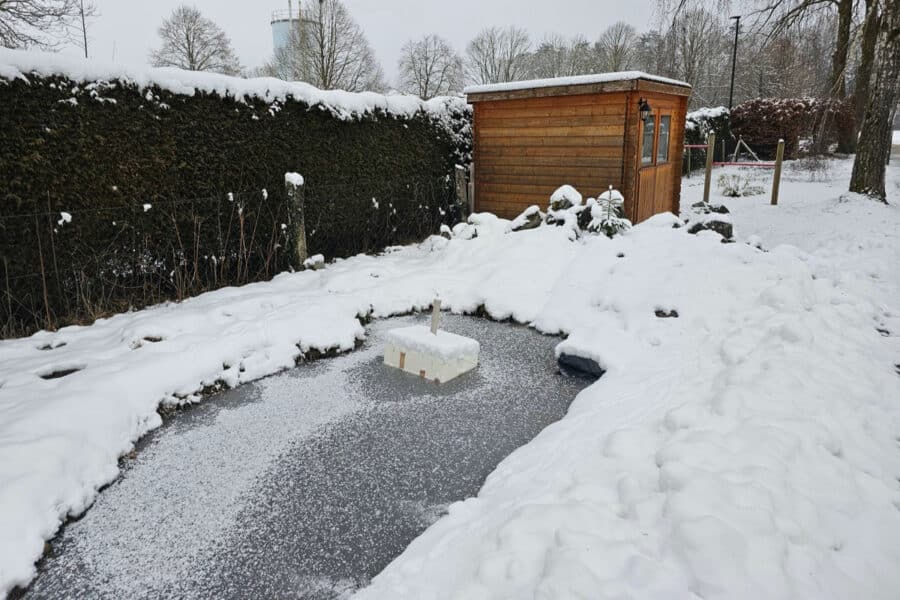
(746, 449)
(308, 483)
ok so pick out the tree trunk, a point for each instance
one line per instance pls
(841, 50)
(838, 91)
(871, 25)
(875, 136)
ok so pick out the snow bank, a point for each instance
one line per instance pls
(17, 64)
(573, 80)
(746, 449)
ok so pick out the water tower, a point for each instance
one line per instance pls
(283, 23)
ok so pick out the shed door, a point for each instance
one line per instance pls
(656, 165)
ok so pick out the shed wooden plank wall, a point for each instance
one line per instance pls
(526, 148)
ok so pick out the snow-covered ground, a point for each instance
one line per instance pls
(746, 449)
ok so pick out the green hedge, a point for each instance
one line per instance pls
(102, 152)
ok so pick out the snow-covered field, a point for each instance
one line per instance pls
(746, 449)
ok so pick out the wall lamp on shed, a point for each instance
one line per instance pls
(644, 109)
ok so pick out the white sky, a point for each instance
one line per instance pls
(130, 25)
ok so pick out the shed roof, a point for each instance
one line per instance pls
(578, 84)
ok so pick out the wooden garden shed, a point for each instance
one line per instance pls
(591, 131)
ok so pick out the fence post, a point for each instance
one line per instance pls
(776, 185)
(293, 185)
(710, 150)
(471, 189)
(462, 187)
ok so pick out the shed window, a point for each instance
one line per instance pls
(662, 152)
(647, 143)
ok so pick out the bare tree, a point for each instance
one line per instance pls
(41, 23)
(557, 57)
(498, 55)
(616, 47)
(193, 42)
(874, 146)
(429, 67)
(330, 51)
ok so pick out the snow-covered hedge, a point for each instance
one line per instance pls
(207, 153)
(698, 124)
(763, 121)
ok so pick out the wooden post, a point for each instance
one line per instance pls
(462, 192)
(779, 157)
(710, 149)
(435, 315)
(471, 189)
(293, 185)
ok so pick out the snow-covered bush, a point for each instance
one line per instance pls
(735, 185)
(763, 121)
(608, 214)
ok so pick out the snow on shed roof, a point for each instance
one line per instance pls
(18, 64)
(574, 80)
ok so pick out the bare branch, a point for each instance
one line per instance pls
(40, 23)
(429, 67)
(193, 42)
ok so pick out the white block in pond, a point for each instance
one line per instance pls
(437, 357)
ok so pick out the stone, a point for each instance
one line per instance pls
(565, 197)
(531, 218)
(573, 365)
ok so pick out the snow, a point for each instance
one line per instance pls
(896, 139)
(525, 217)
(566, 192)
(293, 179)
(316, 261)
(64, 217)
(746, 449)
(612, 196)
(444, 344)
(696, 117)
(18, 64)
(572, 80)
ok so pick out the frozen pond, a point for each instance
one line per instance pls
(308, 483)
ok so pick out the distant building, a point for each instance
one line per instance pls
(284, 22)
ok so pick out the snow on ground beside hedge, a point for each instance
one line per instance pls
(18, 64)
(746, 449)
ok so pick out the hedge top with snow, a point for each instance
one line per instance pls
(18, 64)
(573, 80)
